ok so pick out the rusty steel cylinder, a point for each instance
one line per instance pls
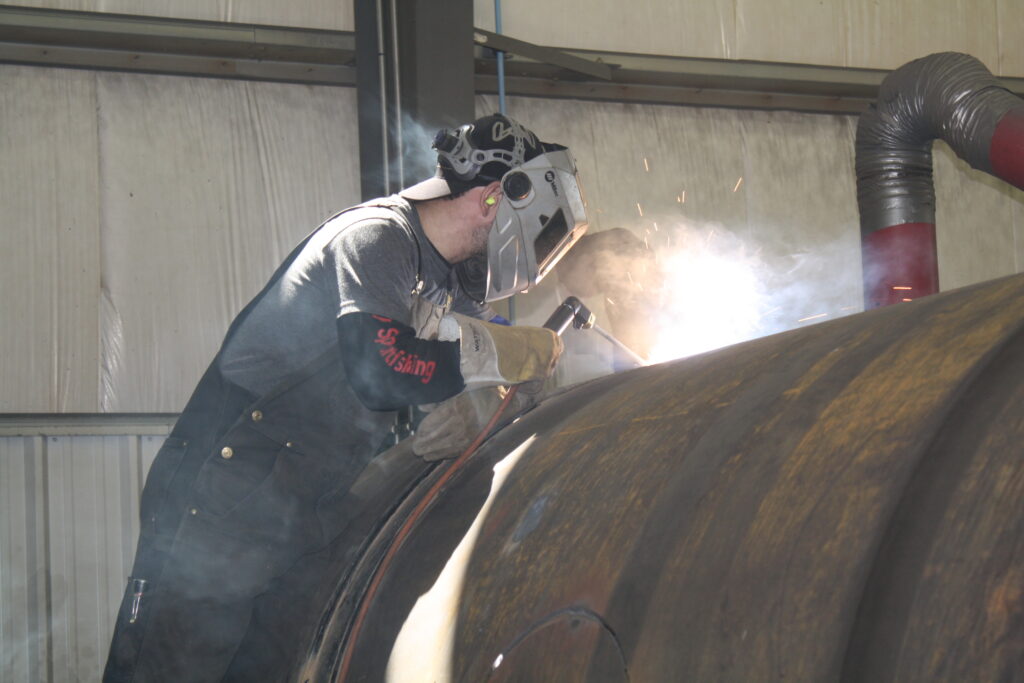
(841, 502)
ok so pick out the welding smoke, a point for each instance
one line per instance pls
(673, 288)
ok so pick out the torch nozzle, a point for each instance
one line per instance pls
(571, 311)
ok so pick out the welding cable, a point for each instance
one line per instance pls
(406, 528)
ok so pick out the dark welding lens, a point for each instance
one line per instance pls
(516, 186)
(444, 141)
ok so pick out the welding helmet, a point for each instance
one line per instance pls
(541, 213)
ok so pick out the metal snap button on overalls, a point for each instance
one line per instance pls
(257, 415)
(227, 453)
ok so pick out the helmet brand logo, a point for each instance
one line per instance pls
(550, 177)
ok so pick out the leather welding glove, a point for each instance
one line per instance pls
(499, 354)
(453, 424)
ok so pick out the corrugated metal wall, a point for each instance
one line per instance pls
(68, 526)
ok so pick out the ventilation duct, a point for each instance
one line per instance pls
(949, 96)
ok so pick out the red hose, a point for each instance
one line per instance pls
(403, 532)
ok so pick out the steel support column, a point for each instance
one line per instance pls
(416, 74)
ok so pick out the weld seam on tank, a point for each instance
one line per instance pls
(948, 96)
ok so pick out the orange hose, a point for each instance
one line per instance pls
(403, 532)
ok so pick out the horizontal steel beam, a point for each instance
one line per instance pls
(86, 424)
(654, 79)
(545, 55)
(117, 42)
(93, 40)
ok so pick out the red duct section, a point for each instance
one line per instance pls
(947, 96)
(1007, 149)
(903, 265)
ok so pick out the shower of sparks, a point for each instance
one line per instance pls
(681, 197)
(640, 209)
(609, 301)
(908, 299)
(655, 227)
(738, 183)
(647, 167)
(906, 289)
(813, 317)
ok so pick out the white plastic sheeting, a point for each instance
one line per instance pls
(336, 15)
(49, 253)
(68, 526)
(141, 213)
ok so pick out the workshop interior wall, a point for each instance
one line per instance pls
(329, 15)
(144, 211)
(141, 213)
(855, 33)
(70, 510)
(774, 190)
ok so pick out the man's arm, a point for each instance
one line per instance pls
(390, 367)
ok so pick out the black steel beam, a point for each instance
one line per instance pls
(227, 50)
(420, 78)
(118, 42)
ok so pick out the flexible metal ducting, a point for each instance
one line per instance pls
(949, 96)
(841, 502)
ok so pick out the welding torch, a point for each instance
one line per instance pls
(573, 311)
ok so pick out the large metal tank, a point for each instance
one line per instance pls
(839, 502)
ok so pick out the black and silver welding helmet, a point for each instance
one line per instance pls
(541, 213)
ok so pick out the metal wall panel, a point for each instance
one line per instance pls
(49, 246)
(978, 222)
(1010, 17)
(853, 33)
(804, 31)
(326, 14)
(69, 512)
(887, 34)
(697, 29)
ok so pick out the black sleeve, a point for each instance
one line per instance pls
(389, 367)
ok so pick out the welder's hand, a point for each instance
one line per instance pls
(498, 354)
(453, 424)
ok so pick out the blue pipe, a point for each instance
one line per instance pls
(501, 109)
(501, 59)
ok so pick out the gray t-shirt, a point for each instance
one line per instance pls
(367, 259)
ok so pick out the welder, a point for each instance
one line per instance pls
(383, 306)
